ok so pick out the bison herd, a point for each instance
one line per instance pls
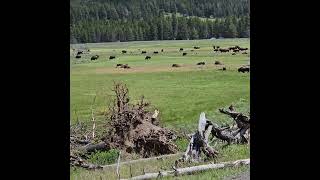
(233, 49)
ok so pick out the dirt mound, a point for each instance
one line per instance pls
(133, 128)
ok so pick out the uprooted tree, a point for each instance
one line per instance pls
(131, 128)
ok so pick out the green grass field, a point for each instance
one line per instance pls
(180, 94)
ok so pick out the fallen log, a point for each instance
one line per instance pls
(190, 170)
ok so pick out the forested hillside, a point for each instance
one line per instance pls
(137, 20)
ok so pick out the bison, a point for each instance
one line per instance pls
(244, 53)
(233, 54)
(181, 49)
(124, 51)
(183, 54)
(155, 52)
(112, 57)
(244, 69)
(95, 57)
(224, 68)
(79, 52)
(143, 52)
(125, 66)
(196, 47)
(176, 65)
(78, 56)
(119, 65)
(224, 50)
(147, 57)
(216, 50)
(236, 50)
(161, 50)
(201, 63)
(242, 49)
(217, 63)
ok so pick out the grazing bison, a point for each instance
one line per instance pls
(119, 65)
(196, 47)
(224, 50)
(112, 57)
(161, 50)
(218, 47)
(216, 50)
(214, 47)
(236, 50)
(124, 51)
(143, 52)
(224, 68)
(78, 56)
(155, 52)
(79, 52)
(125, 66)
(201, 63)
(244, 69)
(181, 49)
(183, 54)
(95, 57)
(242, 49)
(217, 63)
(147, 57)
(233, 54)
(176, 65)
(244, 53)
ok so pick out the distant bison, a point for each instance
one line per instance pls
(201, 63)
(244, 69)
(244, 53)
(242, 49)
(181, 49)
(78, 56)
(218, 47)
(79, 52)
(176, 65)
(124, 51)
(217, 63)
(214, 47)
(147, 57)
(112, 57)
(216, 50)
(196, 47)
(125, 66)
(119, 65)
(236, 50)
(224, 68)
(95, 57)
(155, 52)
(233, 54)
(183, 54)
(224, 50)
(161, 50)
(143, 52)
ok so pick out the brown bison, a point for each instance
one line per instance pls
(112, 57)
(183, 54)
(78, 56)
(201, 63)
(161, 50)
(124, 51)
(217, 63)
(95, 57)
(181, 49)
(242, 49)
(119, 65)
(147, 57)
(143, 52)
(176, 65)
(79, 52)
(244, 69)
(155, 52)
(196, 47)
(125, 66)
(233, 54)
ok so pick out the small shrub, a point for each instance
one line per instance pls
(104, 157)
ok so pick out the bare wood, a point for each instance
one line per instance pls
(93, 120)
(118, 165)
(193, 169)
(94, 147)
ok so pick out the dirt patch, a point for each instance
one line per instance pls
(242, 176)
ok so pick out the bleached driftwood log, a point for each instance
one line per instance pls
(190, 170)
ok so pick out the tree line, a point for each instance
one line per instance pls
(140, 20)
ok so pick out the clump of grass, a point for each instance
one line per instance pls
(104, 157)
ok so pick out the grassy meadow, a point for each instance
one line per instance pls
(180, 94)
